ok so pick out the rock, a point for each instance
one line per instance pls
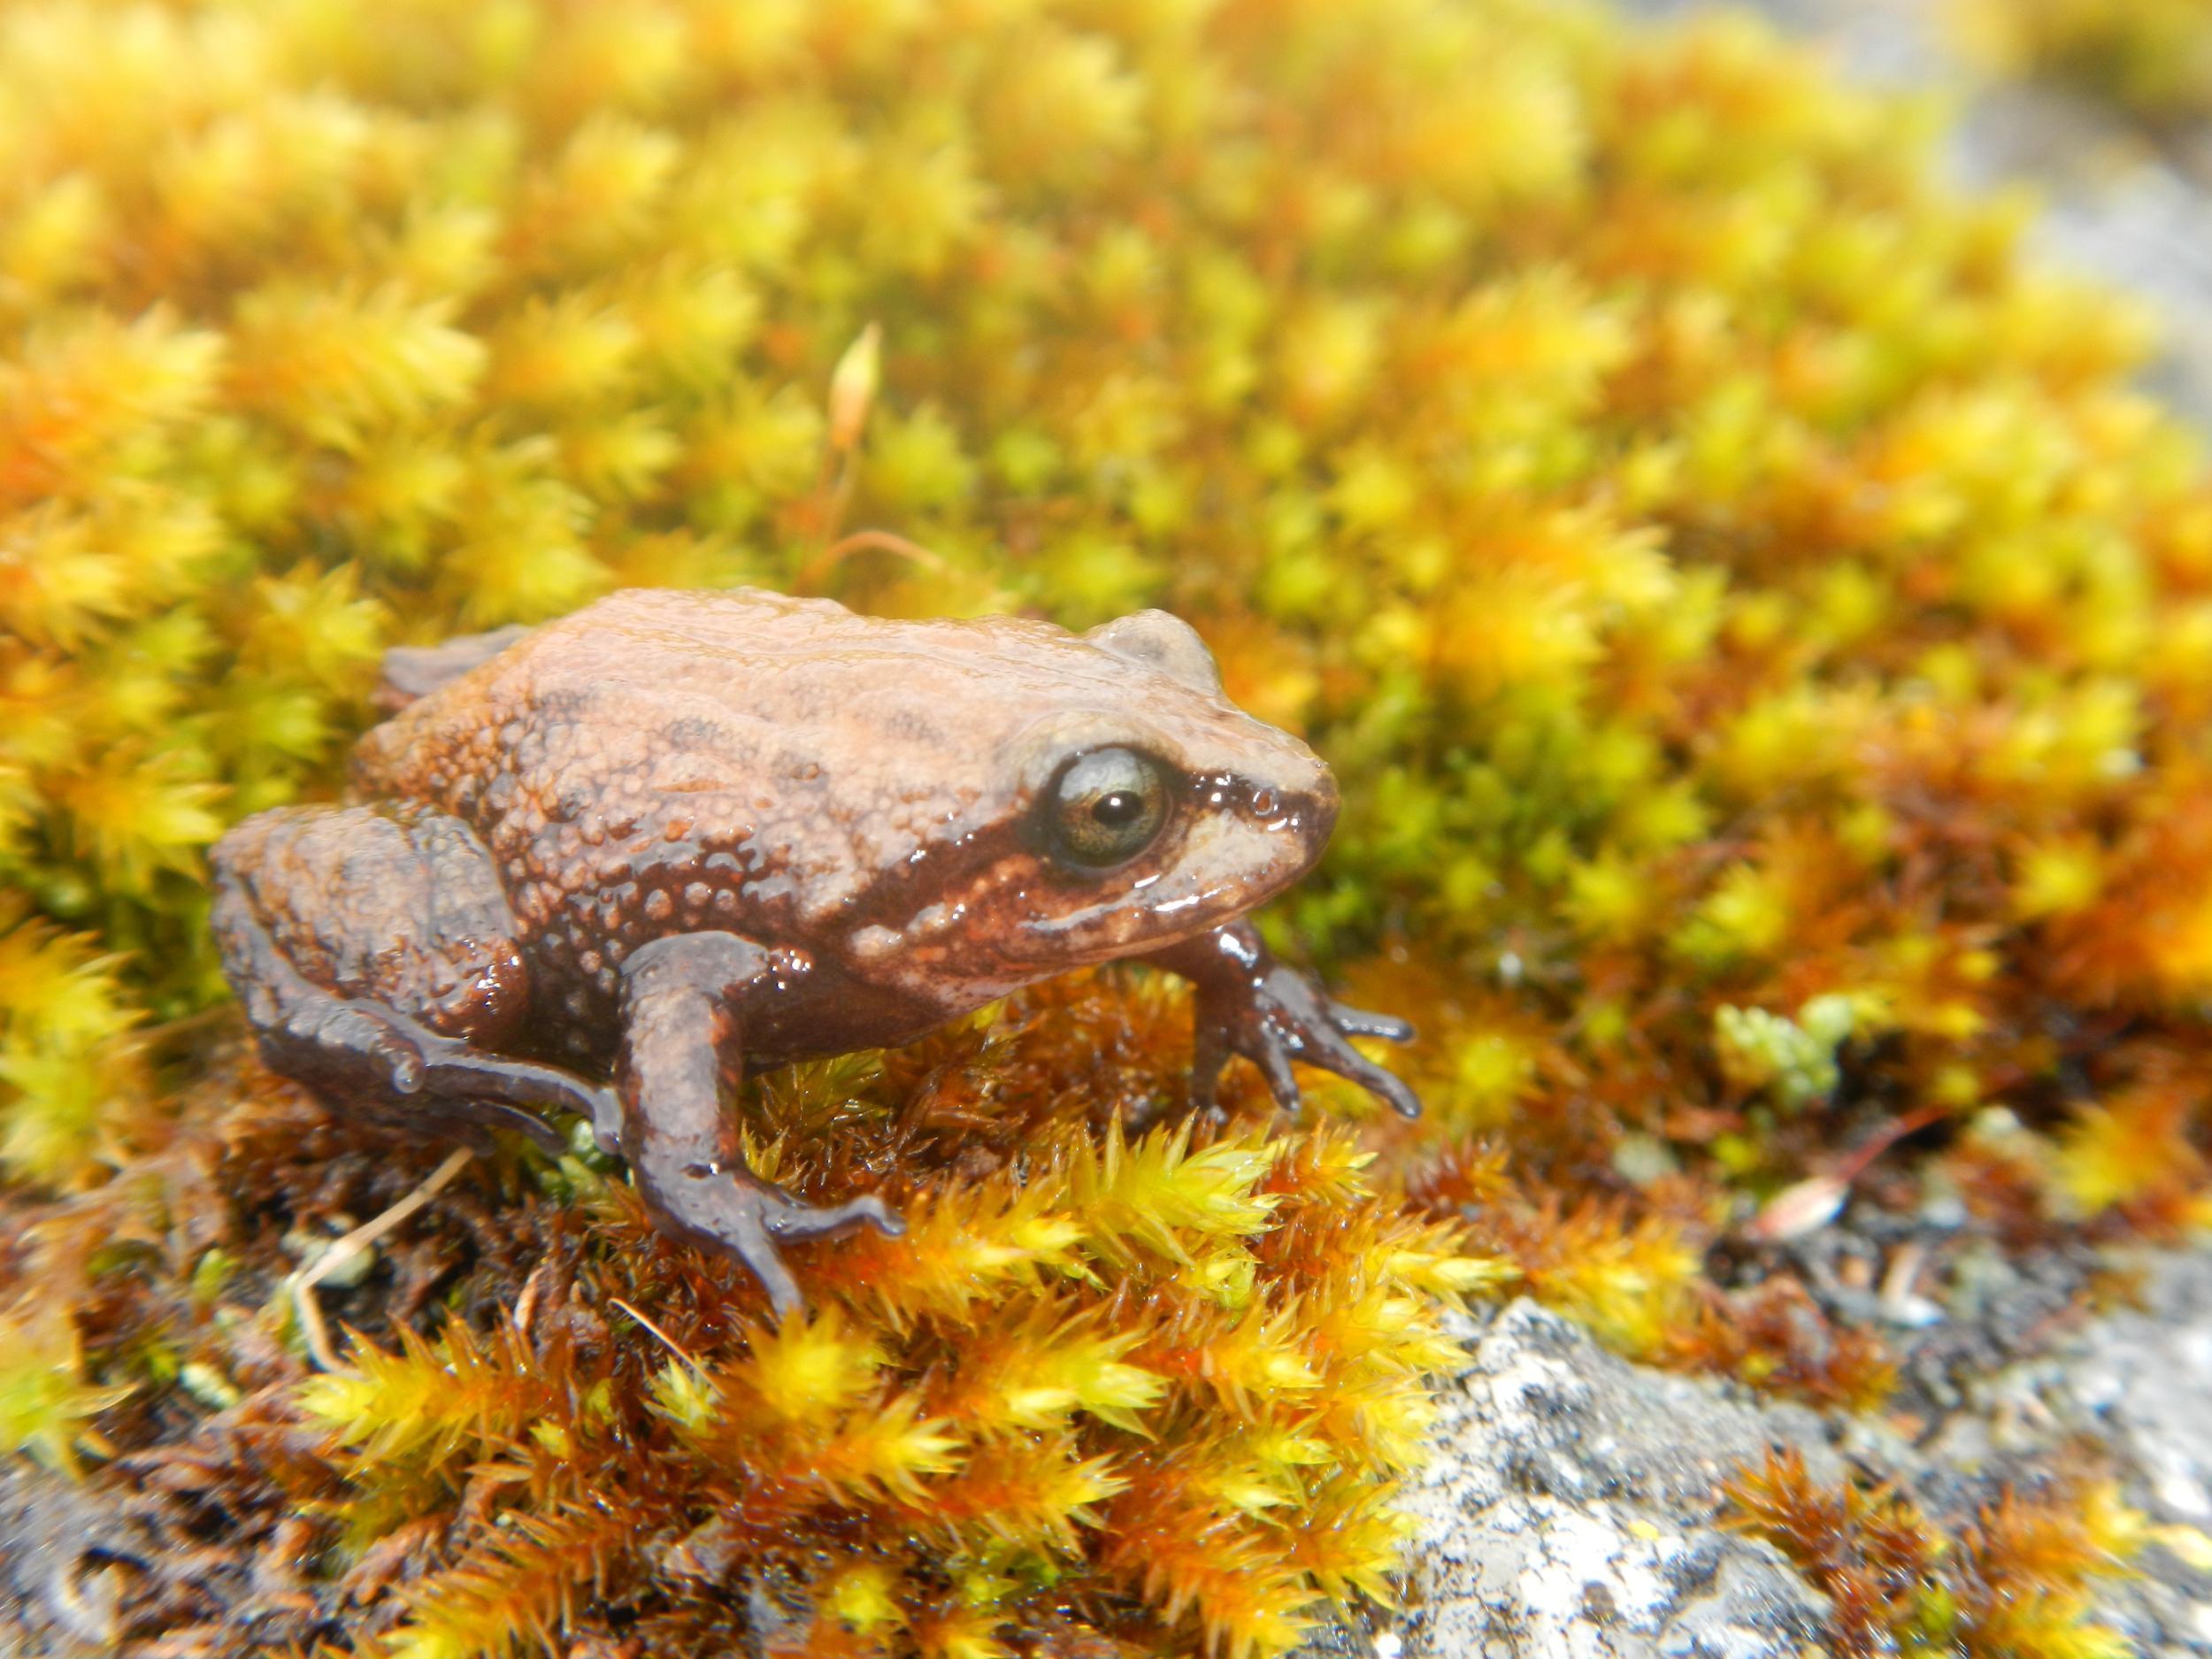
(59, 1583)
(1569, 1510)
(2138, 1385)
(2143, 1381)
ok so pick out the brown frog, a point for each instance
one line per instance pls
(677, 835)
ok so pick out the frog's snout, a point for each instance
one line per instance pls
(1312, 812)
(1296, 797)
(1297, 821)
(1268, 827)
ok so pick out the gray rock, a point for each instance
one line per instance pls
(1569, 1510)
(2138, 1384)
(2144, 1382)
(59, 1577)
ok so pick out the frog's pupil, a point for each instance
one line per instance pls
(1117, 808)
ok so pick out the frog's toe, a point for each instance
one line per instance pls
(744, 1221)
(807, 1221)
(749, 1235)
(750, 1221)
(1357, 1022)
(1333, 1051)
(1387, 1087)
(1328, 1050)
(606, 1120)
(1282, 1081)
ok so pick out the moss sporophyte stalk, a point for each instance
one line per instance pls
(1763, 641)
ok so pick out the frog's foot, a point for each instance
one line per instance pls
(416, 671)
(348, 1049)
(1283, 1017)
(495, 1090)
(1247, 1003)
(749, 1218)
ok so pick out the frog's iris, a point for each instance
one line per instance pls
(1107, 806)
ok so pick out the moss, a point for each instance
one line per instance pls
(2011, 1582)
(2151, 57)
(1736, 592)
(1164, 1379)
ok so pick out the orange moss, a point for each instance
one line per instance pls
(2007, 1584)
(1761, 635)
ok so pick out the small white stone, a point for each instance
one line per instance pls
(2180, 1491)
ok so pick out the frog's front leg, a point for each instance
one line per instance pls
(683, 1009)
(1247, 1003)
(373, 952)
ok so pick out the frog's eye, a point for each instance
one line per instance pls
(1106, 807)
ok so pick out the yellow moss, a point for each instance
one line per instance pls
(1157, 1191)
(1727, 579)
(46, 1402)
(1631, 1288)
(72, 1072)
(2154, 56)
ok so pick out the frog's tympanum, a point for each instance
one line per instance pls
(678, 835)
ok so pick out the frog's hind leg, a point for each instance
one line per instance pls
(374, 954)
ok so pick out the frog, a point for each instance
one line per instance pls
(603, 869)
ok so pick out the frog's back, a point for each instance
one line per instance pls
(783, 752)
(666, 763)
(625, 652)
(677, 691)
(820, 749)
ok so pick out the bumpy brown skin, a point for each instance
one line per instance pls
(678, 834)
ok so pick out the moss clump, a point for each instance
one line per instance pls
(2013, 1582)
(1123, 1373)
(2153, 56)
(1731, 587)
(1156, 1384)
